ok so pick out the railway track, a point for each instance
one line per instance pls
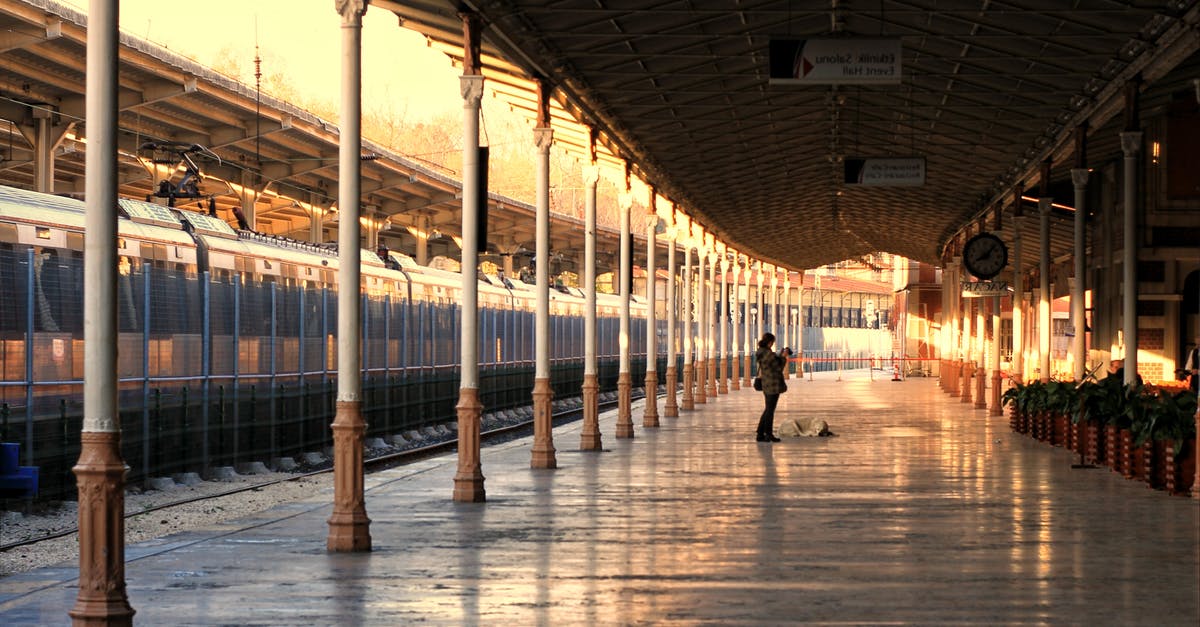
(374, 464)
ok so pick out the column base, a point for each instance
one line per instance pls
(954, 377)
(701, 396)
(689, 374)
(349, 527)
(722, 380)
(965, 394)
(980, 389)
(650, 417)
(671, 408)
(747, 379)
(100, 476)
(624, 405)
(735, 379)
(468, 480)
(543, 426)
(712, 378)
(589, 437)
(996, 409)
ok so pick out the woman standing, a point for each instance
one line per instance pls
(770, 371)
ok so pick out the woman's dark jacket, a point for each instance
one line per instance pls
(770, 370)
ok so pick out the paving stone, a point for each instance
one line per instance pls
(920, 511)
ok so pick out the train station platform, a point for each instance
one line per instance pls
(920, 510)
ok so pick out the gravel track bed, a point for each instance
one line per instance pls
(15, 526)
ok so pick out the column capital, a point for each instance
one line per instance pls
(652, 222)
(351, 11)
(591, 175)
(470, 86)
(1131, 143)
(625, 200)
(543, 137)
(1079, 176)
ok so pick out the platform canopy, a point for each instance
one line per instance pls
(986, 91)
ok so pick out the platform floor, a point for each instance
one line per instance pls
(921, 510)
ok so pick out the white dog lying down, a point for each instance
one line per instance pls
(809, 426)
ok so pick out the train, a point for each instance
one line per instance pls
(226, 338)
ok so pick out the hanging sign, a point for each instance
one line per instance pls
(885, 171)
(979, 289)
(845, 61)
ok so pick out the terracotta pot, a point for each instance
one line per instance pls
(1111, 444)
(1126, 454)
(1062, 430)
(1186, 467)
(1095, 442)
(1141, 458)
(1014, 419)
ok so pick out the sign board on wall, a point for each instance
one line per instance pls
(841, 61)
(979, 289)
(885, 171)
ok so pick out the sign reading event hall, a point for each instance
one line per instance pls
(844, 61)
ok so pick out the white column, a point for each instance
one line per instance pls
(1044, 288)
(1131, 145)
(747, 341)
(762, 302)
(671, 407)
(468, 479)
(687, 333)
(542, 455)
(1018, 314)
(348, 524)
(774, 306)
(100, 471)
(624, 380)
(1079, 176)
(589, 439)
(734, 336)
(702, 317)
(650, 417)
(723, 352)
(711, 315)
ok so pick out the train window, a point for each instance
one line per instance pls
(178, 255)
(75, 241)
(8, 233)
(120, 242)
(124, 267)
(43, 232)
(308, 271)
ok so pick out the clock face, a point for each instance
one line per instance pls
(985, 255)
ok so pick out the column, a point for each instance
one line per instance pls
(624, 376)
(701, 395)
(735, 341)
(100, 471)
(997, 378)
(952, 309)
(710, 316)
(671, 407)
(589, 437)
(979, 359)
(1131, 145)
(650, 417)
(747, 341)
(968, 361)
(762, 304)
(1018, 315)
(543, 436)
(468, 478)
(723, 352)
(689, 336)
(1079, 176)
(786, 312)
(349, 527)
(1044, 288)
